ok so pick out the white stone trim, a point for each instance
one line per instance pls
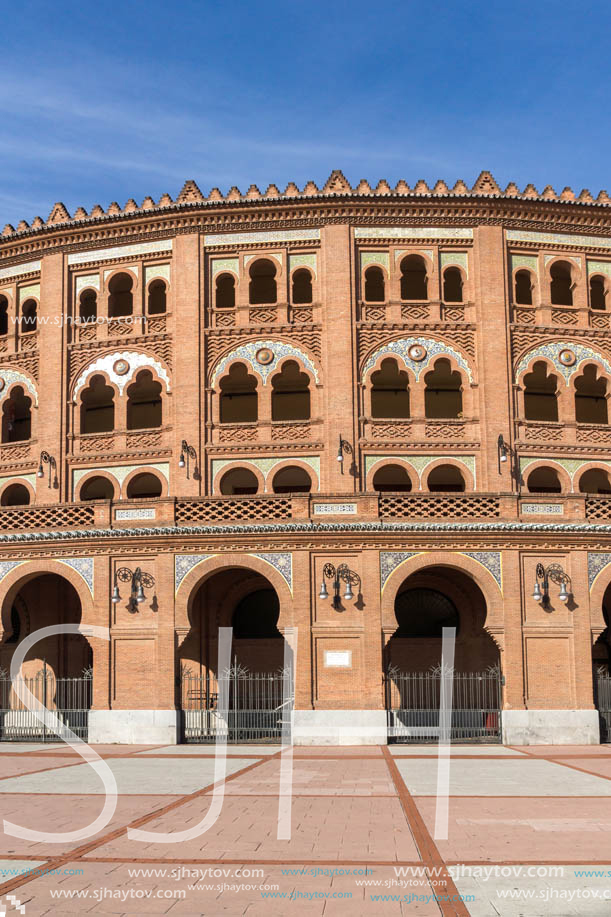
(106, 363)
(120, 251)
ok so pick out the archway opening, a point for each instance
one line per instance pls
(392, 479)
(157, 298)
(544, 481)
(97, 488)
(591, 397)
(523, 288)
(302, 287)
(238, 398)
(225, 291)
(443, 392)
(561, 284)
(120, 296)
(389, 391)
(595, 481)
(414, 283)
(262, 287)
(292, 480)
(290, 393)
(540, 394)
(144, 486)
(239, 481)
(15, 495)
(446, 479)
(374, 285)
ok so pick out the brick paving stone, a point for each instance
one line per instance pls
(326, 778)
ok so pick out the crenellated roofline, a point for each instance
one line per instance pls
(337, 186)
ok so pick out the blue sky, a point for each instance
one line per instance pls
(107, 101)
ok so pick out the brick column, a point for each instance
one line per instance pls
(52, 379)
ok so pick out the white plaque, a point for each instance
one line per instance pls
(135, 513)
(338, 658)
(543, 509)
(335, 509)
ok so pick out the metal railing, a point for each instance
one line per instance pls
(68, 698)
(413, 702)
(257, 708)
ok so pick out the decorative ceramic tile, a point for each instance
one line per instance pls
(599, 267)
(528, 261)
(335, 509)
(89, 281)
(106, 364)
(571, 466)
(12, 377)
(265, 465)
(83, 566)
(381, 258)
(245, 238)
(460, 259)
(279, 256)
(29, 267)
(120, 472)
(575, 259)
(30, 478)
(552, 350)
(491, 560)
(400, 348)
(144, 513)
(154, 271)
(225, 264)
(283, 563)
(132, 268)
(420, 462)
(247, 353)
(32, 290)
(558, 238)
(542, 509)
(305, 260)
(390, 560)
(596, 565)
(184, 563)
(121, 251)
(423, 251)
(7, 565)
(412, 232)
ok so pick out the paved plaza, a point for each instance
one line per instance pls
(524, 826)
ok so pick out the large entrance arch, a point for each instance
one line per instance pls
(245, 600)
(427, 601)
(601, 660)
(57, 669)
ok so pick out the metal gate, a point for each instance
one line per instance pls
(413, 699)
(260, 706)
(68, 698)
(602, 699)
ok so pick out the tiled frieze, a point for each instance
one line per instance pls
(416, 353)
(566, 356)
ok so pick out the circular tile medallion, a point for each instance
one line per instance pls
(417, 352)
(264, 356)
(567, 357)
(121, 367)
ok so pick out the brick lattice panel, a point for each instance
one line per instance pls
(46, 517)
(439, 507)
(598, 510)
(220, 512)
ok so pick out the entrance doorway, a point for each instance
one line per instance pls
(427, 602)
(57, 670)
(256, 683)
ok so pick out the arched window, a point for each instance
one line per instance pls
(424, 613)
(414, 283)
(292, 480)
(590, 397)
(121, 298)
(374, 285)
(561, 284)
(262, 288)
(97, 407)
(523, 288)
(595, 481)
(540, 400)
(15, 495)
(17, 417)
(239, 401)
(97, 488)
(29, 313)
(302, 287)
(290, 393)
(598, 292)
(239, 481)
(442, 395)
(392, 479)
(452, 285)
(157, 298)
(389, 391)
(225, 291)
(544, 481)
(144, 407)
(3, 316)
(144, 486)
(88, 306)
(256, 616)
(446, 478)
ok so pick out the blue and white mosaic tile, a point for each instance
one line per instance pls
(552, 350)
(11, 377)
(283, 563)
(390, 560)
(491, 560)
(7, 565)
(106, 365)
(401, 347)
(83, 566)
(280, 349)
(596, 564)
(184, 563)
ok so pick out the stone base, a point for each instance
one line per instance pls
(133, 727)
(550, 727)
(339, 727)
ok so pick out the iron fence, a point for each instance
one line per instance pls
(260, 705)
(69, 699)
(413, 701)
(602, 700)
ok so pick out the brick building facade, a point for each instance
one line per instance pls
(178, 381)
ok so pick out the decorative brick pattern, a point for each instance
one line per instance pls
(240, 511)
(439, 506)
